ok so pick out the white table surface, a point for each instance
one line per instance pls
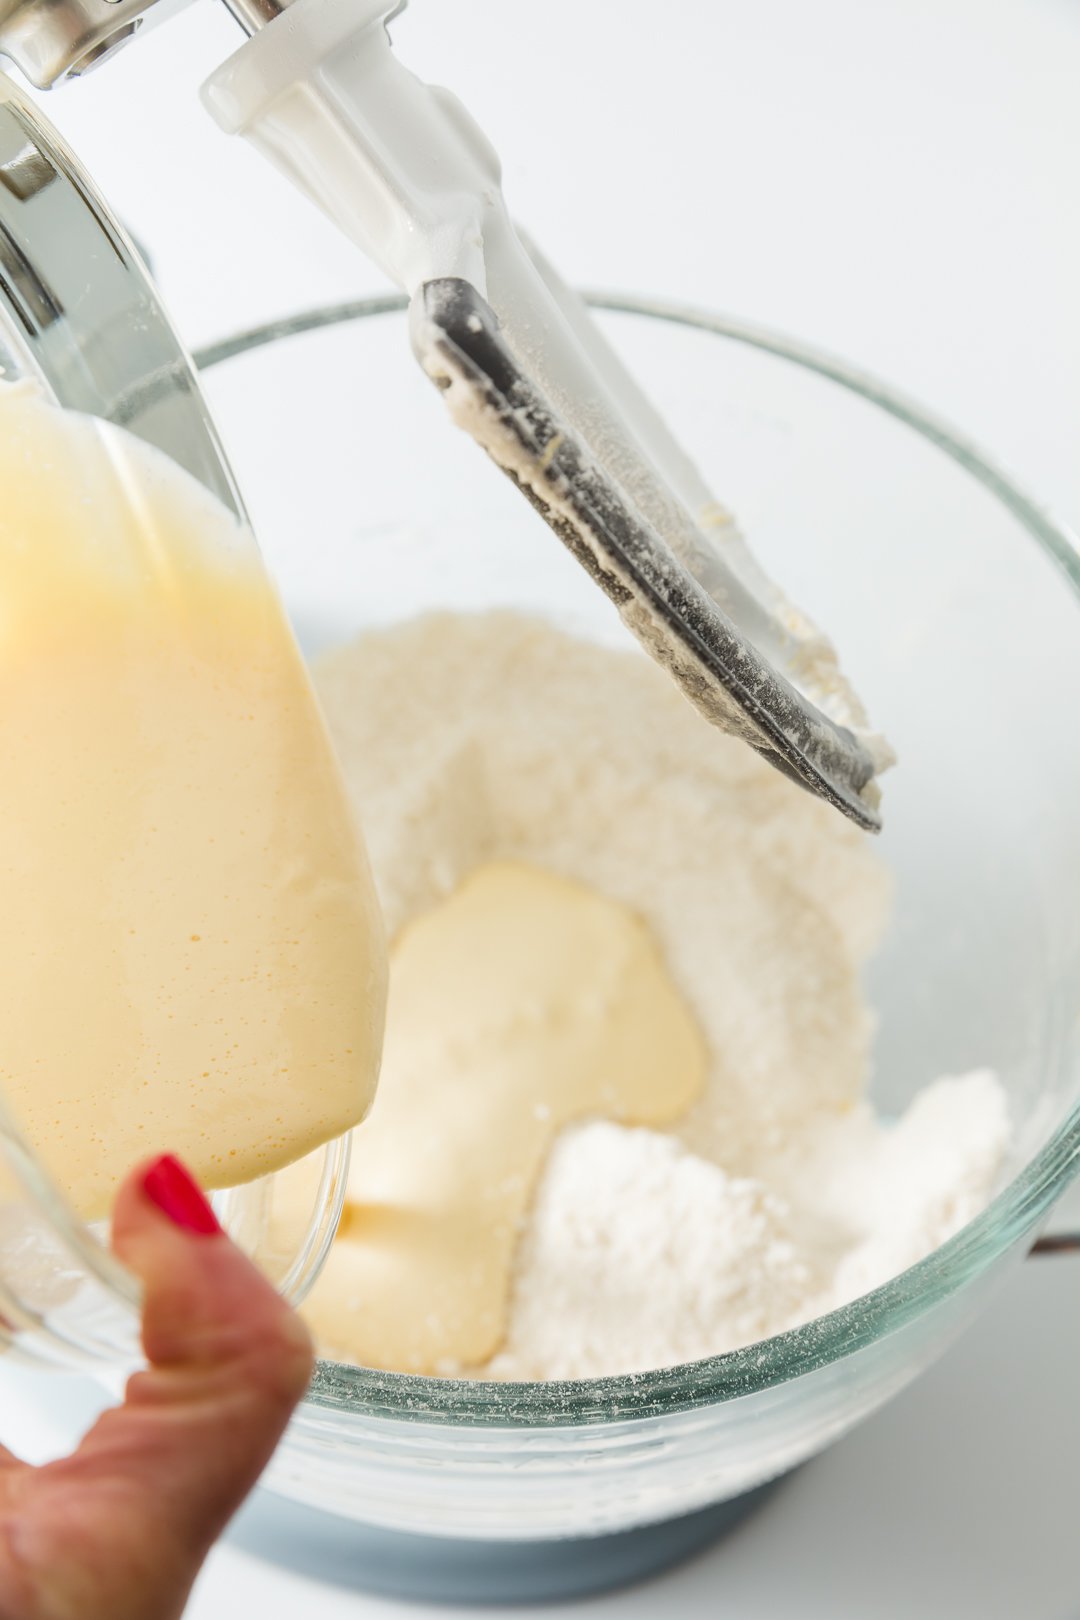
(898, 181)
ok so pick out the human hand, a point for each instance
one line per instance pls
(119, 1530)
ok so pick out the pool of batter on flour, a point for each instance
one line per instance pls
(622, 1120)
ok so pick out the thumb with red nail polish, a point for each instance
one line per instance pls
(120, 1529)
(178, 1195)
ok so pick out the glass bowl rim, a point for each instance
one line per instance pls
(363, 1392)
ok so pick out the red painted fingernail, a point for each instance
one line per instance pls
(178, 1195)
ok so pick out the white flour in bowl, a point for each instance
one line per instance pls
(471, 737)
(640, 1254)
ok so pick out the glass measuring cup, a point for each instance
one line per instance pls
(80, 317)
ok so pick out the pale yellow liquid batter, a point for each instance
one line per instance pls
(523, 1002)
(191, 953)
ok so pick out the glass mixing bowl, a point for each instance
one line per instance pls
(954, 601)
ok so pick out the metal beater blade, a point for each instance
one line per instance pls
(401, 167)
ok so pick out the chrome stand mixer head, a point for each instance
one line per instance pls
(405, 172)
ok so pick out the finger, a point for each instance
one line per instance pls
(156, 1480)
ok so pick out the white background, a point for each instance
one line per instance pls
(899, 181)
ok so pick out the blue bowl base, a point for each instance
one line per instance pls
(436, 1569)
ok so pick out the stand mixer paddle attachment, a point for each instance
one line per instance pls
(405, 172)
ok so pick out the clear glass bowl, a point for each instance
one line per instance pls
(954, 600)
(79, 315)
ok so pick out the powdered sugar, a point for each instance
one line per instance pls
(640, 1254)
